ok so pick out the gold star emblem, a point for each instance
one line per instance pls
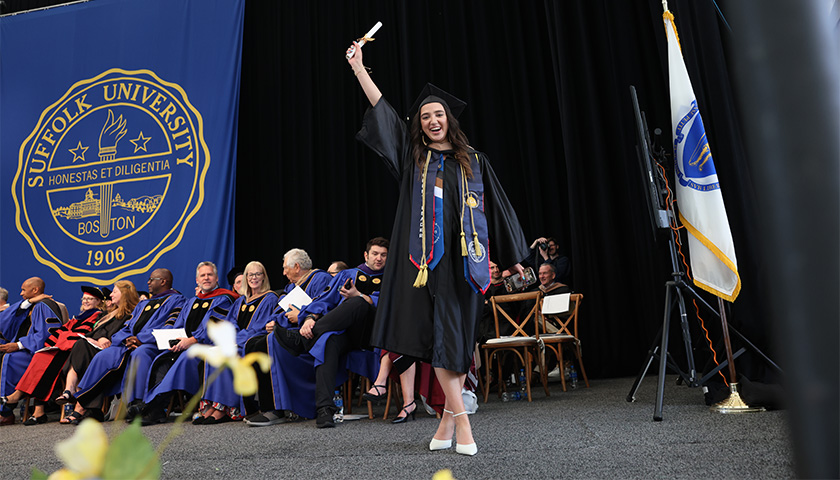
(140, 143)
(78, 152)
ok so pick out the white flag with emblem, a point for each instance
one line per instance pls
(713, 264)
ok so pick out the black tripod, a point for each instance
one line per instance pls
(675, 292)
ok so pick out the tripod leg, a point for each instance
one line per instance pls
(686, 334)
(652, 353)
(660, 389)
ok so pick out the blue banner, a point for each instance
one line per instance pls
(118, 124)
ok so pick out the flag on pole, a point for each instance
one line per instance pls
(713, 264)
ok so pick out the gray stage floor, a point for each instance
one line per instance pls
(582, 433)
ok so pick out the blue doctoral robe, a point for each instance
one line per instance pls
(293, 378)
(250, 319)
(42, 321)
(184, 373)
(107, 370)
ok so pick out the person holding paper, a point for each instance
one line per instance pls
(133, 347)
(123, 300)
(44, 370)
(451, 208)
(290, 377)
(335, 323)
(250, 314)
(171, 371)
(23, 329)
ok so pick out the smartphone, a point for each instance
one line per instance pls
(348, 284)
(515, 283)
(173, 342)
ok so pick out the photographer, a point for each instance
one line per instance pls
(547, 250)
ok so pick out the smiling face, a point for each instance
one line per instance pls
(255, 276)
(495, 273)
(89, 302)
(434, 123)
(116, 295)
(546, 275)
(291, 270)
(206, 279)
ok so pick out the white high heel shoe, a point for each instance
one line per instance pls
(465, 448)
(436, 444)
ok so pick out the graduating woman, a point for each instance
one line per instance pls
(452, 211)
(41, 376)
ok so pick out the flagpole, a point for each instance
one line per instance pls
(733, 403)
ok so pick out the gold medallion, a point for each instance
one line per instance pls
(205, 304)
(252, 308)
(377, 281)
(362, 278)
(195, 305)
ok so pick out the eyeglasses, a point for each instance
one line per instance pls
(88, 299)
(255, 274)
(155, 278)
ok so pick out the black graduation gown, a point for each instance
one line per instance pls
(436, 323)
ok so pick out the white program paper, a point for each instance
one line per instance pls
(296, 298)
(164, 335)
(553, 304)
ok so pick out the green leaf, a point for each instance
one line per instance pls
(37, 474)
(131, 456)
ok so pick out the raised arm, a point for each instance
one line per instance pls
(371, 90)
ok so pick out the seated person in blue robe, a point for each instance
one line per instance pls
(171, 371)
(249, 314)
(337, 322)
(133, 346)
(291, 378)
(24, 327)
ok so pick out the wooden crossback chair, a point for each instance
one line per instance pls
(523, 344)
(566, 322)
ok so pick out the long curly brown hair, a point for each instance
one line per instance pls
(455, 136)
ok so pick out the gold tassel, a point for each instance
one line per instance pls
(476, 244)
(422, 277)
(463, 244)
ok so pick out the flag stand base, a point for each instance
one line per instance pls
(734, 403)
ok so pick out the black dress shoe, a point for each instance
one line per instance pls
(291, 340)
(325, 417)
(153, 416)
(133, 411)
(33, 420)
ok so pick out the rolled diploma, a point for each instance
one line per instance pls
(362, 41)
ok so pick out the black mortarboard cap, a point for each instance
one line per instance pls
(106, 291)
(232, 274)
(94, 292)
(431, 93)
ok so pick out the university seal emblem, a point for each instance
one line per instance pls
(696, 170)
(110, 176)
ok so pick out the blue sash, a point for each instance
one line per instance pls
(476, 262)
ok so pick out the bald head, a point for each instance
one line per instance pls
(32, 287)
(160, 281)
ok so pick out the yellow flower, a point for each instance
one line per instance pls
(444, 474)
(83, 453)
(225, 352)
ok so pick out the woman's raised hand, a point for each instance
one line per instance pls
(356, 60)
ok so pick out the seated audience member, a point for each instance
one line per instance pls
(123, 300)
(41, 377)
(336, 267)
(171, 371)
(547, 250)
(143, 295)
(24, 327)
(338, 321)
(4, 299)
(406, 368)
(132, 349)
(548, 283)
(250, 314)
(290, 377)
(234, 278)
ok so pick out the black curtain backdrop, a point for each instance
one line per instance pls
(547, 87)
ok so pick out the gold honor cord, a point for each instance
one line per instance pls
(423, 274)
(476, 243)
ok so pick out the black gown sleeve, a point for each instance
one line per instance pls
(384, 132)
(507, 241)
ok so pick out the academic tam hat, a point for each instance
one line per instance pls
(430, 94)
(233, 273)
(94, 292)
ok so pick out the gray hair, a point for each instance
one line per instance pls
(207, 264)
(4, 295)
(300, 257)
